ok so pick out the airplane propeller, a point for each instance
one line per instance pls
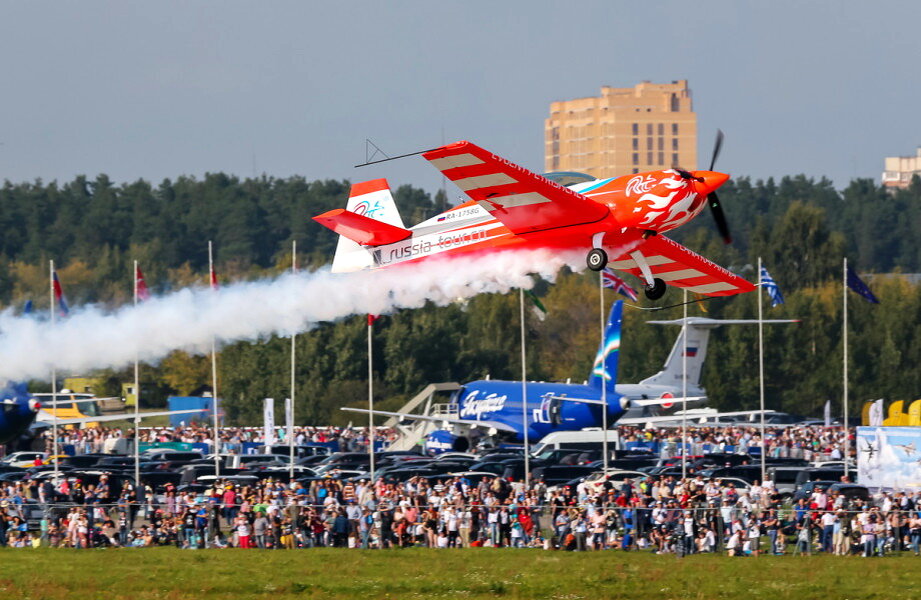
(713, 200)
(716, 209)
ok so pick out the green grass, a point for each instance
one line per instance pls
(173, 574)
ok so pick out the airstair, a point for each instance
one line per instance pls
(423, 403)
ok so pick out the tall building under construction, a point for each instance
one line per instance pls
(648, 127)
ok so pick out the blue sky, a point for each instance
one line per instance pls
(159, 89)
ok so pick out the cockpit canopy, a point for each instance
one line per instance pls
(568, 178)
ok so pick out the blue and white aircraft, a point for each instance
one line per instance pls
(490, 408)
(493, 409)
(19, 411)
(22, 416)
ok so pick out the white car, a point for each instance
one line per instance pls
(594, 483)
(23, 460)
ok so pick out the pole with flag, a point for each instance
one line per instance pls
(602, 283)
(763, 274)
(609, 279)
(852, 281)
(55, 293)
(371, 431)
(767, 282)
(524, 393)
(212, 281)
(289, 403)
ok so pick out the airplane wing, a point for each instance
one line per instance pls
(521, 200)
(677, 266)
(361, 229)
(49, 420)
(414, 417)
(693, 418)
(661, 401)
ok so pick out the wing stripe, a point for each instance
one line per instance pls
(653, 261)
(719, 286)
(474, 183)
(453, 162)
(513, 200)
(680, 274)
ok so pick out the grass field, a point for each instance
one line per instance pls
(173, 574)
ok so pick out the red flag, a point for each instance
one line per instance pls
(372, 319)
(143, 292)
(61, 301)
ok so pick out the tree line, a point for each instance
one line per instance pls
(801, 227)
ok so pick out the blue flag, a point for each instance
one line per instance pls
(773, 290)
(857, 285)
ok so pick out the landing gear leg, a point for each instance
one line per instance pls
(596, 259)
(655, 288)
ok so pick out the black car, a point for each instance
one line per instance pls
(851, 491)
(557, 474)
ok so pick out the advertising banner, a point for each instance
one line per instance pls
(888, 458)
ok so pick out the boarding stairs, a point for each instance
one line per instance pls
(423, 403)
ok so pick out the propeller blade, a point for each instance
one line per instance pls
(717, 211)
(717, 146)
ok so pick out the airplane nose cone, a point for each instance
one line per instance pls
(35, 405)
(711, 181)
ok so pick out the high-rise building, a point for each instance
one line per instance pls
(648, 127)
(900, 169)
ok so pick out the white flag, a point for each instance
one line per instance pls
(268, 422)
(876, 413)
(828, 413)
(289, 421)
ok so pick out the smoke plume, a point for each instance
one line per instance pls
(190, 319)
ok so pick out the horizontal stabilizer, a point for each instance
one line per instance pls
(361, 229)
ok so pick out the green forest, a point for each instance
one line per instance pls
(801, 227)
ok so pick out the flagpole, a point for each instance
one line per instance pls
(524, 394)
(604, 383)
(847, 441)
(217, 434)
(54, 382)
(371, 431)
(684, 392)
(137, 395)
(761, 373)
(289, 416)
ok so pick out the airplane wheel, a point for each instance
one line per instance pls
(597, 259)
(656, 290)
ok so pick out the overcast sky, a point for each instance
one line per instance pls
(158, 89)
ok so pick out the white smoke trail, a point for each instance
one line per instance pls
(93, 338)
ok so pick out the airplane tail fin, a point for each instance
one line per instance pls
(604, 370)
(673, 370)
(370, 200)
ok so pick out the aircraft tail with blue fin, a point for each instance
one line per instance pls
(604, 369)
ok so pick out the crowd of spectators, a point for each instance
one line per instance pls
(658, 514)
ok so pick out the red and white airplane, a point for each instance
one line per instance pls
(513, 208)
